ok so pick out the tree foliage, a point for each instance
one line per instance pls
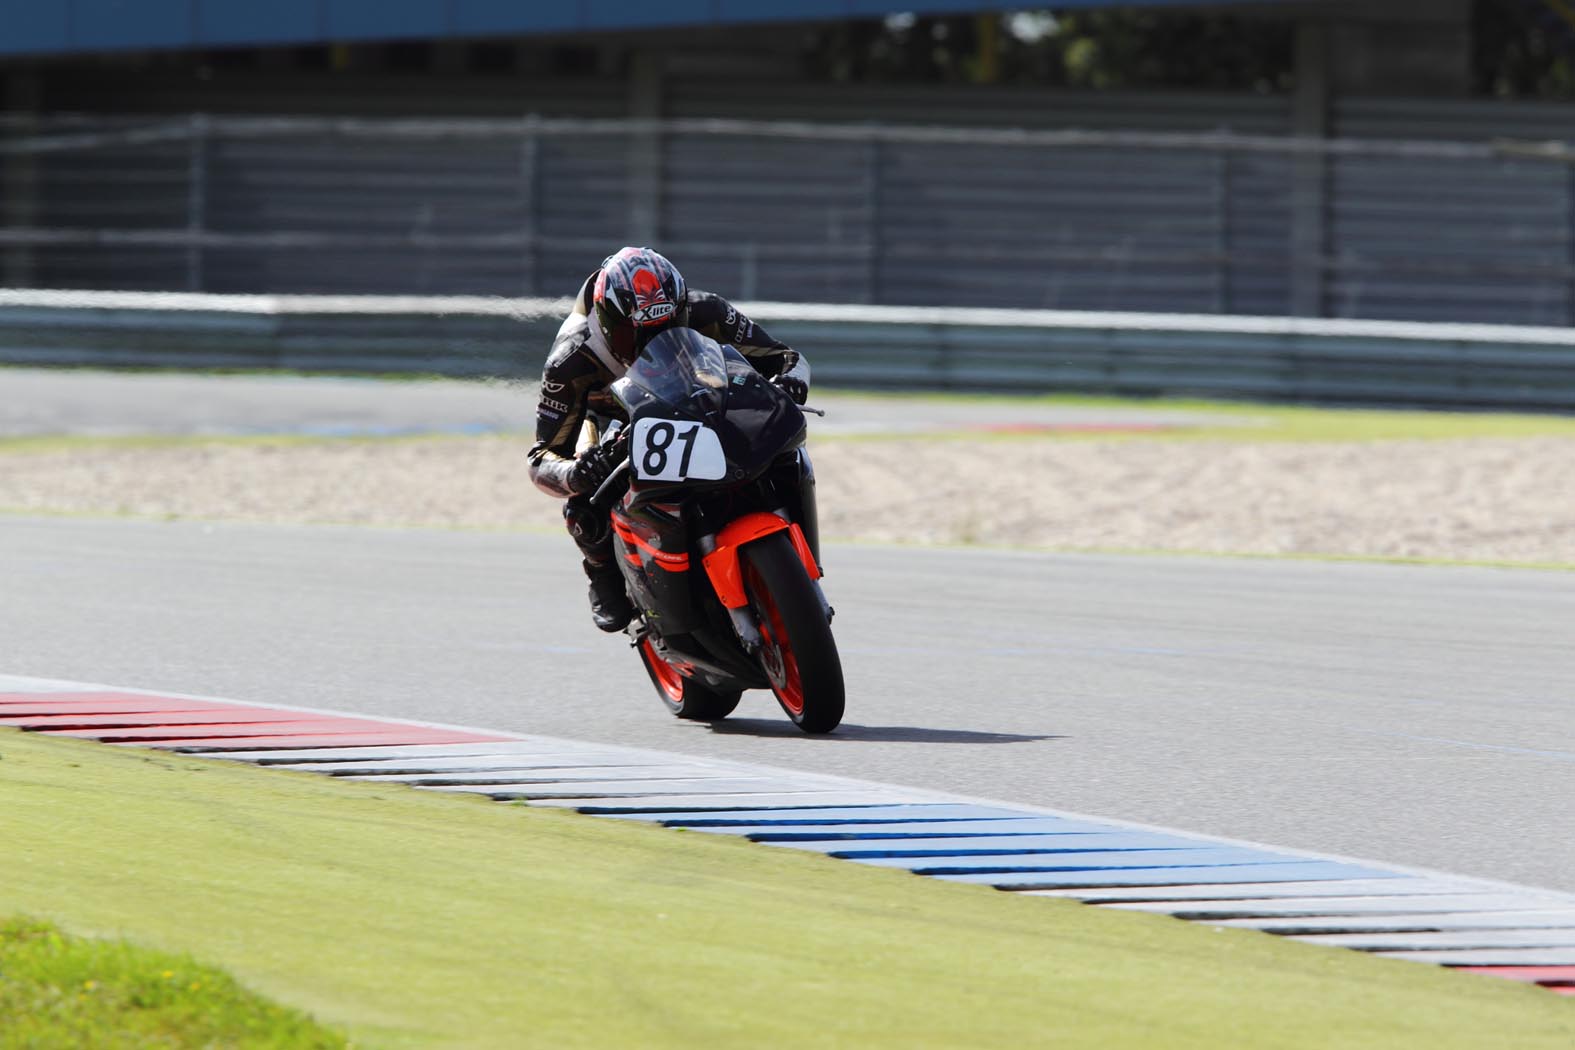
(1520, 48)
(1095, 49)
(1524, 48)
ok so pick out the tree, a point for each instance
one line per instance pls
(1520, 48)
(1524, 48)
(1097, 49)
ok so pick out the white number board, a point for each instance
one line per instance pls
(676, 450)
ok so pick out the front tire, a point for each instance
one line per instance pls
(685, 697)
(799, 654)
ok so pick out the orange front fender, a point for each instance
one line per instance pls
(721, 565)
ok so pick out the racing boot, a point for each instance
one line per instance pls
(610, 605)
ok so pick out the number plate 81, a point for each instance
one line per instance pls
(676, 450)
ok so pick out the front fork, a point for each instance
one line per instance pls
(802, 504)
(804, 509)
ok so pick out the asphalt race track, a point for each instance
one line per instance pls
(1415, 715)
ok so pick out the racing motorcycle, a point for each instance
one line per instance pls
(715, 531)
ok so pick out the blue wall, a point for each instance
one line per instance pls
(39, 27)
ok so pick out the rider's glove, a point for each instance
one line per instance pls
(793, 387)
(592, 467)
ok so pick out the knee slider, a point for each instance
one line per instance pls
(589, 526)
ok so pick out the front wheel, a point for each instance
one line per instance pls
(685, 697)
(798, 652)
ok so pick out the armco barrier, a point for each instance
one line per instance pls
(1025, 351)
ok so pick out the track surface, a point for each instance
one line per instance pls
(1413, 715)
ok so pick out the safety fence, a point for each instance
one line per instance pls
(1195, 222)
(1020, 351)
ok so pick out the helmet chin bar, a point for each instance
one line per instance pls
(624, 342)
(641, 335)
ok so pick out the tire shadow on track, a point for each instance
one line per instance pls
(885, 734)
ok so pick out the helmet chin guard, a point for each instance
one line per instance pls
(638, 294)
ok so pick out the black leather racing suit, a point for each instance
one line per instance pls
(574, 385)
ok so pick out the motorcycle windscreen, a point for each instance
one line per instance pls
(679, 370)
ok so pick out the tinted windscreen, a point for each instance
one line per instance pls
(678, 364)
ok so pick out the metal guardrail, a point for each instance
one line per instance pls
(1016, 351)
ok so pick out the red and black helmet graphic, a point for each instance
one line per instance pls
(638, 293)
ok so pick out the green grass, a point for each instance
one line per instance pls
(1248, 421)
(1283, 423)
(411, 918)
(59, 991)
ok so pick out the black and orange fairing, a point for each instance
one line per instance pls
(652, 542)
(644, 550)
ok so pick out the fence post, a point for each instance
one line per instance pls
(1222, 202)
(530, 196)
(749, 271)
(19, 182)
(1309, 178)
(196, 199)
(872, 190)
(1569, 246)
(645, 149)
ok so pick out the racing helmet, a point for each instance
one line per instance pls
(638, 294)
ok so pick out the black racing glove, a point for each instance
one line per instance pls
(593, 466)
(793, 387)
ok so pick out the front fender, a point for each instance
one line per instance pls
(721, 564)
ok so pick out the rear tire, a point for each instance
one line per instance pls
(799, 655)
(685, 697)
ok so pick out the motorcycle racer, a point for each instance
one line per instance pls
(635, 294)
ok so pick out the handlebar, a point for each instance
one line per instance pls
(612, 480)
